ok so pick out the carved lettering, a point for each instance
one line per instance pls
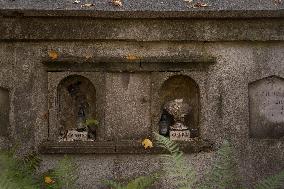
(267, 107)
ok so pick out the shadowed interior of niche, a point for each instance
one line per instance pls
(4, 112)
(76, 103)
(183, 87)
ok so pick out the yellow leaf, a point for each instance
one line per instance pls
(147, 143)
(48, 180)
(117, 2)
(132, 57)
(53, 55)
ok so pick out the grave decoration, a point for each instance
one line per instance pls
(178, 108)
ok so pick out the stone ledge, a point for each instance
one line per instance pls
(140, 30)
(144, 9)
(122, 64)
(120, 147)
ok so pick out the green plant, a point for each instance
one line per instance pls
(174, 165)
(272, 182)
(222, 176)
(63, 176)
(91, 122)
(141, 182)
(18, 172)
(223, 173)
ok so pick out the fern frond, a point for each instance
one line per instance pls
(31, 162)
(15, 173)
(272, 182)
(112, 184)
(141, 182)
(65, 174)
(174, 164)
(5, 182)
(223, 174)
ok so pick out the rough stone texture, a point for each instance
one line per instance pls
(128, 105)
(224, 111)
(82, 29)
(244, 51)
(143, 9)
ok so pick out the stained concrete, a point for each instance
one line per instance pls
(128, 104)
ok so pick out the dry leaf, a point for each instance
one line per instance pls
(48, 180)
(88, 56)
(199, 4)
(117, 2)
(53, 55)
(188, 1)
(76, 2)
(147, 143)
(132, 57)
(88, 5)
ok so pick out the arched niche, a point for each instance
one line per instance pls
(76, 102)
(183, 87)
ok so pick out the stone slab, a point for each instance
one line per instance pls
(267, 108)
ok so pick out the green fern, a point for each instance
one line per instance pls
(18, 172)
(272, 182)
(113, 184)
(223, 174)
(174, 164)
(141, 182)
(64, 175)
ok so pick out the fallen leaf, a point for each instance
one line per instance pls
(147, 143)
(88, 5)
(48, 180)
(188, 1)
(132, 57)
(117, 2)
(53, 55)
(199, 4)
(76, 2)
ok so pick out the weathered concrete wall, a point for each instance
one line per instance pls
(223, 96)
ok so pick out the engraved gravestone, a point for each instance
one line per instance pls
(4, 111)
(266, 99)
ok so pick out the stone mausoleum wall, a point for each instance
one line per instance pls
(231, 53)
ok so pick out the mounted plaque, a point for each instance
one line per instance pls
(266, 100)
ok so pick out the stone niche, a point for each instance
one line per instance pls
(127, 99)
(76, 104)
(4, 112)
(266, 102)
(74, 100)
(182, 87)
